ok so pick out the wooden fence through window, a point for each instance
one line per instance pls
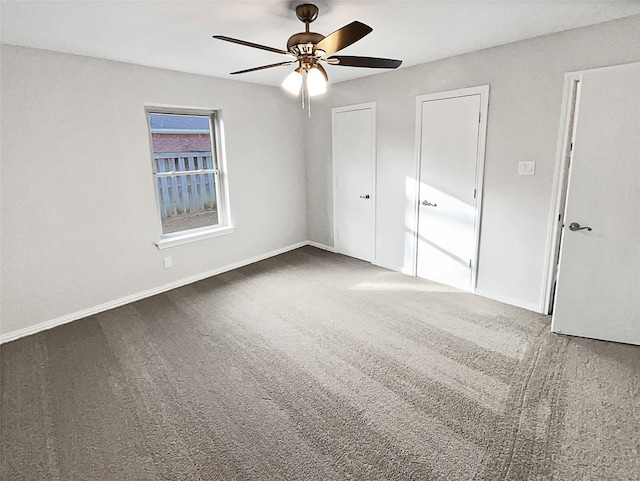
(183, 187)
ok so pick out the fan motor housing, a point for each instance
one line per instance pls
(302, 43)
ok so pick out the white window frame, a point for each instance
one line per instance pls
(216, 132)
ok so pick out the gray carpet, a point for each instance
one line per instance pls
(315, 366)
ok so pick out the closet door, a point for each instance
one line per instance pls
(354, 180)
(448, 175)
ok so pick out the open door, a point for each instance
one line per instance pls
(598, 284)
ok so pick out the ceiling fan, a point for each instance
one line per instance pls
(310, 50)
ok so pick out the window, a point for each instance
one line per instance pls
(188, 171)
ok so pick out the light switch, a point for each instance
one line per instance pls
(167, 262)
(526, 167)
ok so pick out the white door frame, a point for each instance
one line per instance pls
(483, 91)
(351, 108)
(568, 114)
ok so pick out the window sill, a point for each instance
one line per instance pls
(193, 236)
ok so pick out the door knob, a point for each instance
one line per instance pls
(429, 204)
(366, 196)
(574, 226)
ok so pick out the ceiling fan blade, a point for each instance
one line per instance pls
(264, 66)
(371, 62)
(343, 37)
(254, 45)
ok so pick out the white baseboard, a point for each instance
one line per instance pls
(43, 326)
(386, 266)
(322, 246)
(512, 302)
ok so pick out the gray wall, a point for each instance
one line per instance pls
(526, 81)
(79, 215)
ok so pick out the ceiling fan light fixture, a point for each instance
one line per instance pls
(293, 82)
(316, 83)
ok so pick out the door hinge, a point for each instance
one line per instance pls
(474, 193)
(469, 263)
(479, 117)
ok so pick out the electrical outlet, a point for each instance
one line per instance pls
(526, 167)
(168, 262)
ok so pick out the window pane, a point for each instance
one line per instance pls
(182, 143)
(180, 134)
(187, 201)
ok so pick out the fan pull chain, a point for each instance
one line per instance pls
(303, 93)
(305, 98)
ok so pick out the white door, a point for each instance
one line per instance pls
(448, 188)
(598, 287)
(353, 168)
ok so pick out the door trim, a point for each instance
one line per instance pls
(568, 113)
(353, 108)
(483, 91)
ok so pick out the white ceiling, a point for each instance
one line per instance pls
(177, 34)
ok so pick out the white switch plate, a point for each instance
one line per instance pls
(167, 262)
(526, 167)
